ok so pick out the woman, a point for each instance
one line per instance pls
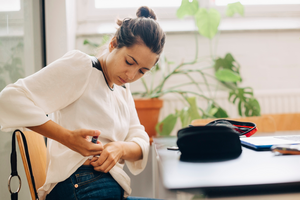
(87, 96)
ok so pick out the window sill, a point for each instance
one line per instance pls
(187, 25)
(14, 29)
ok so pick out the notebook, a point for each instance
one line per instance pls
(266, 142)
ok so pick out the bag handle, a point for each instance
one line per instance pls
(13, 164)
(241, 128)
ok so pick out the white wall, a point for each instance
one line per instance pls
(269, 59)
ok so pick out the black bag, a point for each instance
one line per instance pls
(218, 140)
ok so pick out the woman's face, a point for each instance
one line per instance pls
(126, 65)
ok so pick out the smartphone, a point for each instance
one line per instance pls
(293, 149)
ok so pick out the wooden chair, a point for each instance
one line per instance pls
(286, 121)
(269, 123)
(264, 124)
(37, 152)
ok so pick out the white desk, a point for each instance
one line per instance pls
(250, 176)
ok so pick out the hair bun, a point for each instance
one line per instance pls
(146, 12)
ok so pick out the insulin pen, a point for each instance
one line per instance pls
(94, 139)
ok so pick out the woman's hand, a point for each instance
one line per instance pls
(79, 141)
(75, 140)
(111, 154)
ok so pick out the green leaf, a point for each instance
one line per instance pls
(15, 72)
(229, 58)
(187, 8)
(16, 61)
(87, 42)
(7, 67)
(213, 111)
(2, 84)
(184, 116)
(253, 107)
(240, 108)
(193, 109)
(221, 113)
(247, 105)
(235, 99)
(104, 40)
(155, 68)
(166, 126)
(208, 22)
(227, 75)
(217, 112)
(228, 62)
(18, 47)
(233, 8)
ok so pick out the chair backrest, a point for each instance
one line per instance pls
(37, 152)
(286, 121)
(264, 124)
(269, 123)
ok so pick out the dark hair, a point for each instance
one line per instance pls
(144, 29)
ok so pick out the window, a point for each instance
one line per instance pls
(98, 16)
(263, 8)
(256, 2)
(108, 10)
(133, 3)
(12, 5)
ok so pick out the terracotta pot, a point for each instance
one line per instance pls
(148, 112)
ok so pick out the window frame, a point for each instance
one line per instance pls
(16, 21)
(87, 12)
(91, 21)
(283, 10)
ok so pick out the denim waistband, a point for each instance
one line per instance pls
(85, 167)
(87, 183)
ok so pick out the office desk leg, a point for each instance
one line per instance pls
(155, 181)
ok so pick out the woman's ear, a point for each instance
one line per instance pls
(112, 44)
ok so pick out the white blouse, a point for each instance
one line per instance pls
(75, 95)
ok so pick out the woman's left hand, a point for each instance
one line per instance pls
(112, 152)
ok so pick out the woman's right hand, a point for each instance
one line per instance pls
(79, 141)
(76, 140)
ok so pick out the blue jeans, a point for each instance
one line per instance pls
(86, 183)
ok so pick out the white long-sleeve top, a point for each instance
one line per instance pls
(76, 96)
